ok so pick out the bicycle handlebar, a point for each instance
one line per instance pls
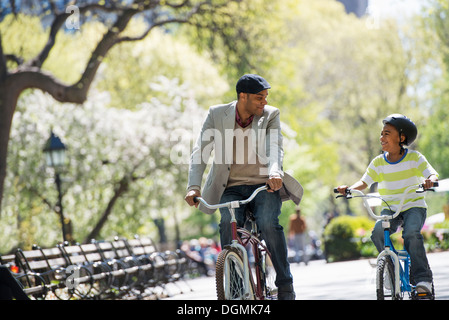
(231, 204)
(349, 192)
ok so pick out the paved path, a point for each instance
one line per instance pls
(350, 280)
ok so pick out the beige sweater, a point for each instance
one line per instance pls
(246, 168)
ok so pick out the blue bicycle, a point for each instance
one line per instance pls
(393, 266)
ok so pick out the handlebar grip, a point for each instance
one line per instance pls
(336, 190)
(435, 184)
(195, 199)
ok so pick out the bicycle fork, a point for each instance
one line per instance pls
(388, 252)
(235, 244)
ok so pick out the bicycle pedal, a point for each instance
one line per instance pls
(423, 296)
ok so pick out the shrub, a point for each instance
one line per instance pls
(438, 237)
(347, 237)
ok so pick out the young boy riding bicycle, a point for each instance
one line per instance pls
(395, 170)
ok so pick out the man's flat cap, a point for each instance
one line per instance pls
(251, 83)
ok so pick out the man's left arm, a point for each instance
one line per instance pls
(275, 151)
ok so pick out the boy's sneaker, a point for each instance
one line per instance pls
(424, 287)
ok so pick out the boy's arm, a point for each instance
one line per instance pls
(359, 185)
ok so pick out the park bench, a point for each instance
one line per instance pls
(43, 271)
(34, 284)
(92, 270)
(168, 266)
(123, 268)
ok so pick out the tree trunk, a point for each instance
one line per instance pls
(122, 188)
(8, 102)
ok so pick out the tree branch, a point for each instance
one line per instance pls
(39, 60)
(58, 22)
(33, 77)
(105, 44)
(193, 11)
(14, 58)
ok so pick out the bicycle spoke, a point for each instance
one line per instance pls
(230, 277)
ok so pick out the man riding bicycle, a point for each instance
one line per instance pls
(247, 142)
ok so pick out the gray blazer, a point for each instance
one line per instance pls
(217, 134)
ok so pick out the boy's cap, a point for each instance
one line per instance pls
(251, 83)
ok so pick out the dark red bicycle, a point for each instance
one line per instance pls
(239, 275)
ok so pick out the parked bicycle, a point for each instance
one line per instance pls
(235, 278)
(393, 266)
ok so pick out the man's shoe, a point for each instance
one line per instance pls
(286, 292)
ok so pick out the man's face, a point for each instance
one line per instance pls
(255, 103)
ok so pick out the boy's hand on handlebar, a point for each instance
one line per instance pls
(429, 182)
(189, 198)
(342, 189)
(275, 183)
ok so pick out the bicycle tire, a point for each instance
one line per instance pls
(229, 276)
(385, 278)
(268, 275)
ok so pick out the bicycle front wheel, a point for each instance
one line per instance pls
(385, 280)
(230, 277)
(269, 277)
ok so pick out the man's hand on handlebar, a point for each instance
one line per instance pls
(189, 198)
(275, 183)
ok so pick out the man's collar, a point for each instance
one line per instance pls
(239, 121)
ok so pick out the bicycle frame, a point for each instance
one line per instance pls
(237, 242)
(257, 247)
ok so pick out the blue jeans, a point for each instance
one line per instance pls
(412, 221)
(266, 207)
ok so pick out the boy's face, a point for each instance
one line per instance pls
(389, 139)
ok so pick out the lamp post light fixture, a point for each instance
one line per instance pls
(54, 151)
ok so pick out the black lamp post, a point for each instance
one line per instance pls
(55, 157)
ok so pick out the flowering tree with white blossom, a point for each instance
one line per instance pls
(124, 167)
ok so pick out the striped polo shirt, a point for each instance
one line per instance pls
(394, 177)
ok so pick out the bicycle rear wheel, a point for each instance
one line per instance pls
(229, 276)
(385, 288)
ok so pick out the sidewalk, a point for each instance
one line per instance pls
(349, 280)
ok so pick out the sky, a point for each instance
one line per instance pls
(385, 8)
